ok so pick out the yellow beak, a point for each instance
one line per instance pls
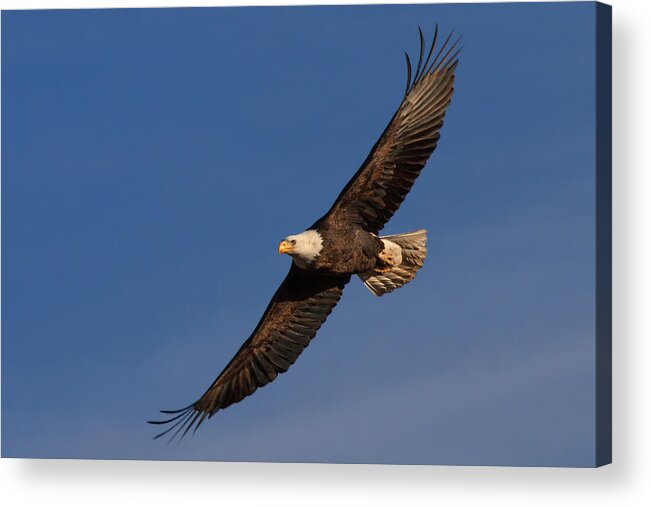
(284, 247)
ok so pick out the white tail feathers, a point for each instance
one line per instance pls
(413, 252)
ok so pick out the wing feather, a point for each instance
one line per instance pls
(296, 312)
(378, 188)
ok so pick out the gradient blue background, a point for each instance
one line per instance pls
(153, 159)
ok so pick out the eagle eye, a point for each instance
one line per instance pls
(293, 242)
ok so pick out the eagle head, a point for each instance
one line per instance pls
(304, 247)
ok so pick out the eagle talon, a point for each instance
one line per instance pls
(390, 257)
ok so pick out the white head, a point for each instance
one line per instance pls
(303, 247)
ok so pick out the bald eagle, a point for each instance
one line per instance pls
(342, 243)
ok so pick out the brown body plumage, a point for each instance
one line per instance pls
(342, 243)
(346, 250)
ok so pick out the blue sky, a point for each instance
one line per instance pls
(153, 159)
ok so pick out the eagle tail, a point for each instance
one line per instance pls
(413, 251)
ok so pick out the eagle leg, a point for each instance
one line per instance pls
(389, 258)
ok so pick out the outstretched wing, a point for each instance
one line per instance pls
(378, 188)
(297, 310)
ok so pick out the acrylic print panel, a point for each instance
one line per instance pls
(153, 159)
